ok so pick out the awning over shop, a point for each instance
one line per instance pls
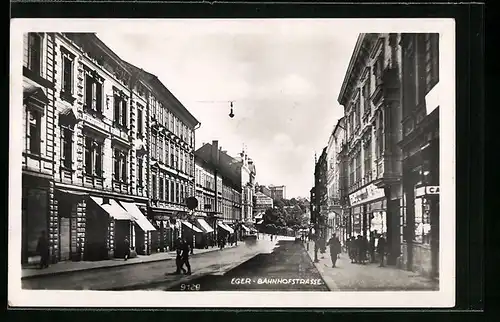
(192, 226)
(139, 218)
(112, 208)
(245, 228)
(225, 227)
(206, 227)
(260, 222)
(61, 193)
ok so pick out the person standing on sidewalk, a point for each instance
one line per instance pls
(335, 248)
(42, 248)
(381, 249)
(126, 247)
(185, 256)
(178, 256)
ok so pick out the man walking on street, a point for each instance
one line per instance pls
(334, 244)
(185, 256)
(178, 256)
(126, 248)
(381, 249)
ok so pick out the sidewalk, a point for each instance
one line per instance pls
(69, 267)
(347, 276)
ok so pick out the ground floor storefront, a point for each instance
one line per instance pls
(81, 224)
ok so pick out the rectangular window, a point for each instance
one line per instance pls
(34, 53)
(93, 157)
(368, 159)
(177, 158)
(177, 127)
(366, 96)
(172, 156)
(358, 167)
(167, 190)
(34, 131)
(378, 69)
(160, 148)
(431, 60)
(93, 93)
(120, 165)
(410, 77)
(351, 172)
(67, 148)
(140, 174)
(172, 191)
(153, 146)
(139, 121)
(161, 189)
(120, 110)
(182, 193)
(171, 127)
(67, 75)
(154, 186)
(177, 193)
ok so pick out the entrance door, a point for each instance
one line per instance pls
(65, 238)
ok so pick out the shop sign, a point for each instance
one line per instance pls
(426, 190)
(161, 217)
(366, 194)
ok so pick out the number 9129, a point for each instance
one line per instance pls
(190, 287)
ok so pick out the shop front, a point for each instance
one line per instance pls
(368, 207)
(208, 236)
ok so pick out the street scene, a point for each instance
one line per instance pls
(257, 159)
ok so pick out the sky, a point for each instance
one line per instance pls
(283, 76)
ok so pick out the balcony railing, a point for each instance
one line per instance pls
(93, 181)
(119, 186)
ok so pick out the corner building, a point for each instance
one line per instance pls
(371, 97)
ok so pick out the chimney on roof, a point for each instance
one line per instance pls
(215, 152)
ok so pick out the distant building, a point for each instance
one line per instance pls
(278, 192)
(261, 203)
(265, 190)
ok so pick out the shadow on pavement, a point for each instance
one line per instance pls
(287, 268)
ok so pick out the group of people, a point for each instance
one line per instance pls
(359, 248)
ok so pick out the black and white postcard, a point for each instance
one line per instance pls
(232, 163)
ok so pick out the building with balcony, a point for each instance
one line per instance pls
(420, 148)
(169, 135)
(335, 211)
(371, 98)
(224, 194)
(278, 192)
(81, 123)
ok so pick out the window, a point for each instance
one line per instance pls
(120, 165)
(176, 163)
(378, 68)
(366, 95)
(351, 172)
(357, 109)
(160, 116)
(154, 186)
(171, 128)
(120, 110)
(93, 92)
(368, 159)
(93, 157)
(66, 147)
(140, 174)
(431, 61)
(167, 190)
(160, 148)
(161, 196)
(182, 193)
(410, 77)
(177, 193)
(34, 130)
(358, 166)
(34, 53)
(172, 191)
(380, 136)
(139, 121)
(153, 109)
(177, 127)
(67, 73)
(153, 146)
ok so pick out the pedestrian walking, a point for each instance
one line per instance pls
(334, 244)
(381, 249)
(372, 247)
(42, 248)
(351, 248)
(185, 256)
(126, 248)
(178, 256)
(359, 249)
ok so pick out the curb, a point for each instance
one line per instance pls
(314, 264)
(110, 266)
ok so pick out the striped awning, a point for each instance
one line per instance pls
(192, 226)
(204, 225)
(112, 208)
(139, 218)
(225, 227)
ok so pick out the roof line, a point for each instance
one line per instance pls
(350, 67)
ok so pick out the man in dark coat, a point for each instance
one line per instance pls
(334, 244)
(42, 248)
(185, 256)
(178, 256)
(381, 249)
(126, 248)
